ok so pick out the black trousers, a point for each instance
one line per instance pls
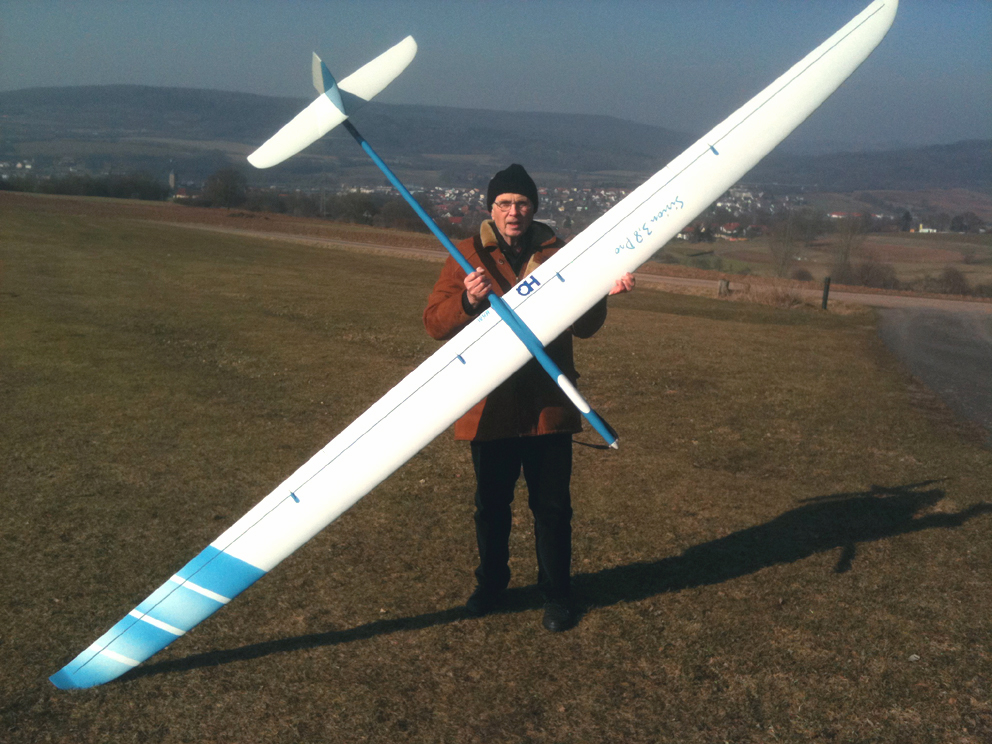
(546, 462)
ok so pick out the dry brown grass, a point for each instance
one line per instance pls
(786, 296)
(238, 219)
(792, 543)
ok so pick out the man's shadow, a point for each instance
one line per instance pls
(839, 521)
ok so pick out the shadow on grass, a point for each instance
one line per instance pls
(840, 521)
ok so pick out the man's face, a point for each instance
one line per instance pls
(512, 214)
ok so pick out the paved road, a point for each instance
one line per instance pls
(950, 352)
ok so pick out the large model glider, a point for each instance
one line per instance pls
(480, 357)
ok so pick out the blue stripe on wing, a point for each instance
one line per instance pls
(178, 606)
(220, 572)
(135, 639)
(174, 604)
(100, 669)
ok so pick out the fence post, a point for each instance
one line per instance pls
(826, 291)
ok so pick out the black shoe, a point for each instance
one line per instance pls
(557, 616)
(482, 602)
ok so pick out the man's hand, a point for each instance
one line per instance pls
(623, 284)
(477, 286)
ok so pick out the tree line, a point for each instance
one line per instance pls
(124, 186)
(229, 188)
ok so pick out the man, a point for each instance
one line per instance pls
(527, 422)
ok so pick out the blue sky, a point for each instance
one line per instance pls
(683, 65)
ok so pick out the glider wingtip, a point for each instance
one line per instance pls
(259, 162)
(405, 50)
(885, 9)
(63, 680)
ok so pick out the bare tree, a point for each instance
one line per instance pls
(796, 229)
(811, 223)
(966, 222)
(783, 242)
(227, 187)
(851, 234)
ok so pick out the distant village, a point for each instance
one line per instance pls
(743, 213)
(566, 210)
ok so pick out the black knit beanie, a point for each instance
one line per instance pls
(513, 180)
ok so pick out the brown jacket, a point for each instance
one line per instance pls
(529, 403)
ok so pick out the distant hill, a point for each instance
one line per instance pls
(195, 132)
(961, 165)
(115, 111)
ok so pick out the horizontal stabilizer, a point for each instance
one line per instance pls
(330, 107)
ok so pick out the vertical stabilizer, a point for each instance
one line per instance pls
(322, 78)
(325, 83)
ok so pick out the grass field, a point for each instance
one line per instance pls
(791, 545)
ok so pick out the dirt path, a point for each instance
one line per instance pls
(945, 343)
(871, 299)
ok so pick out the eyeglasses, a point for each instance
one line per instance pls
(523, 205)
